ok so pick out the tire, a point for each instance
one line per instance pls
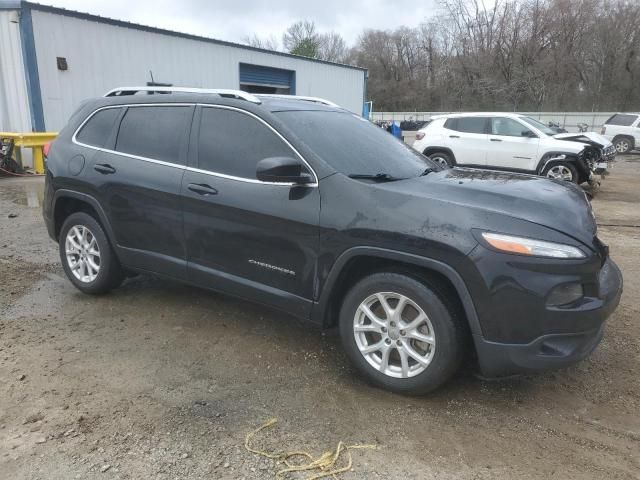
(562, 171)
(442, 158)
(87, 256)
(623, 144)
(444, 327)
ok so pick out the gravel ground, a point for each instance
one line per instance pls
(160, 380)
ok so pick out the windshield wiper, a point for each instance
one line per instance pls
(427, 171)
(378, 177)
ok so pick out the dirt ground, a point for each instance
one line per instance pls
(163, 381)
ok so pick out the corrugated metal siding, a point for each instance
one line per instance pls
(103, 56)
(14, 101)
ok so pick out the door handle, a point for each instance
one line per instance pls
(454, 136)
(202, 189)
(496, 140)
(104, 168)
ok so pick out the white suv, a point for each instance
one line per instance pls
(509, 141)
(623, 129)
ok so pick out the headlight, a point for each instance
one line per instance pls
(528, 246)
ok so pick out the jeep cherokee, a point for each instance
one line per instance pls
(300, 205)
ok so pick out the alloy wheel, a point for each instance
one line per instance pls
(560, 172)
(623, 145)
(83, 253)
(394, 335)
(441, 160)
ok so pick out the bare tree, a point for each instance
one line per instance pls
(332, 47)
(302, 38)
(267, 43)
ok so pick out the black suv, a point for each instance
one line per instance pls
(300, 205)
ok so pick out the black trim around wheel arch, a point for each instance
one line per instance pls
(63, 193)
(441, 149)
(569, 157)
(320, 308)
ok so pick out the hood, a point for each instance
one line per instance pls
(590, 138)
(559, 205)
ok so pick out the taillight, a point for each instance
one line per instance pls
(603, 130)
(46, 148)
(419, 135)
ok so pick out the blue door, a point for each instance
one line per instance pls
(261, 79)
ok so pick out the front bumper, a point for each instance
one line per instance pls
(554, 350)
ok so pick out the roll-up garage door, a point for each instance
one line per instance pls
(261, 79)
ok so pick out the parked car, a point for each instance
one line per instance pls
(513, 142)
(302, 206)
(623, 129)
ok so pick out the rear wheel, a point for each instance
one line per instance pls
(562, 171)
(442, 158)
(401, 334)
(87, 257)
(623, 144)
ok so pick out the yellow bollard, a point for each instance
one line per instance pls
(33, 140)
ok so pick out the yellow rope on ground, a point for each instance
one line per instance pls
(325, 463)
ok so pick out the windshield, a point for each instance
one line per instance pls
(355, 146)
(539, 125)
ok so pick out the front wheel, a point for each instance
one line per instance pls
(442, 158)
(562, 171)
(401, 334)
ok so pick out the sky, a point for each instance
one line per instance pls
(236, 20)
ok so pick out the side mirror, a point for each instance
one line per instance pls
(528, 134)
(282, 170)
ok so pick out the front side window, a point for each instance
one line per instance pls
(97, 129)
(154, 132)
(622, 120)
(354, 146)
(232, 143)
(507, 127)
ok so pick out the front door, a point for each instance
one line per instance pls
(247, 237)
(512, 145)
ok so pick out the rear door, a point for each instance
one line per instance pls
(509, 147)
(247, 237)
(138, 177)
(467, 139)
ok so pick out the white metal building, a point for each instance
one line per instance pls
(51, 59)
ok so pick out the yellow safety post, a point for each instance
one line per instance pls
(33, 140)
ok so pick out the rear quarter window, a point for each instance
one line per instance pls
(98, 128)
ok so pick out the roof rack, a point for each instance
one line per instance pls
(116, 92)
(298, 97)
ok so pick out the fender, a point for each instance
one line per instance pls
(320, 308)
(440, 149)
(63, 193)
(560, 156)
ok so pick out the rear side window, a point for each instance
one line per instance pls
(622, 120)
(467, 124)
(232, 143)
(98, 128)
(153, 132)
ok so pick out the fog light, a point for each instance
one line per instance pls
(564, 294)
